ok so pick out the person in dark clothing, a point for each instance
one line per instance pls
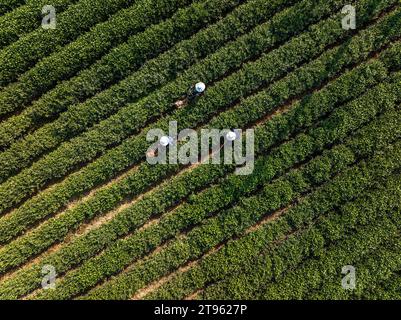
(194, 92)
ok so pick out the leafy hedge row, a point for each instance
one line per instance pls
(26, 18)
(215, 199)
(19, 223)
(226, 91)
(8, 5)
(386, 290)
(242, 289)
(384, 262)
(83, 116)
(254, 274)
(119, 63)
(371, 269)
(77, 19)
(235, 221)
(191, 46)
(314, 272)
(378, 267)
(304, 115)
(346, 186)
(107, 199)
(198, 240)
(81, 53)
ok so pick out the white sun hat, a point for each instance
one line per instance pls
(165, 141)
(200, 87)
(231, 136)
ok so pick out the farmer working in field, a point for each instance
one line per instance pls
(164, 141)
(194, 91)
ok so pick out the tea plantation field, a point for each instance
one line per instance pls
(84, 215)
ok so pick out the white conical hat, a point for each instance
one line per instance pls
(200, 87)
(231, 136)
(165, 141)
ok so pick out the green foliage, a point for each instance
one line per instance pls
(115, 128)
(332, 227)
(89, 47)
(26, 18)
(8, 5)
(195, 212)
(314, 272)
(215, 198)
(325, 190)
(25, 52)
(83, 116)
(137, 182)
(124, 59)
(360, 176)
(303, 214)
